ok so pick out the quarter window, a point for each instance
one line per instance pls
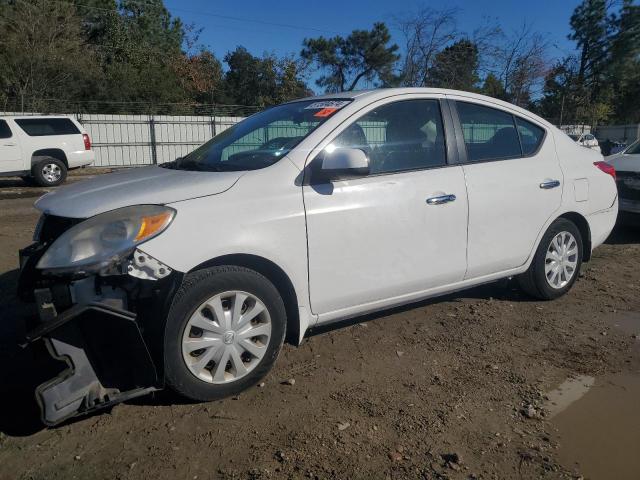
(405, 135)
(489, 134)
(38, 127)
(530, 136)
(5, 131)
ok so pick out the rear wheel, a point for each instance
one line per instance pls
(224, 332)
(556, 264)
(49, 172)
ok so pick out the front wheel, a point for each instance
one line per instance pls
(224, 332)
(556, 264)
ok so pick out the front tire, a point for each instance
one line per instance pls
(49, 172)
(556, 264)
(224, 331)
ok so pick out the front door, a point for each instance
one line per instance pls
(398, 231)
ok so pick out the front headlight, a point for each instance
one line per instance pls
(100, 241)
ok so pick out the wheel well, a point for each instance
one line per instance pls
(50, 152)
(275, 275)
(585, 231)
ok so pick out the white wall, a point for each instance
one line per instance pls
(126, 140)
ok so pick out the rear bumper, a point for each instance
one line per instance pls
(629, 206)
(601, 224)
(81, 159)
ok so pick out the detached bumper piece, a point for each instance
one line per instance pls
(107, 361)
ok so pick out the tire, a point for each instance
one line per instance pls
(195, 374)
(540, 282)
(49, 171)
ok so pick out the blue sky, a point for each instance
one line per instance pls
(331, 17)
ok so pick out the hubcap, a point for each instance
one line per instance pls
(226, 337)
(51, 172)
(561, 260)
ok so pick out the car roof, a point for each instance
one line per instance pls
(19, 117)
(381, 93)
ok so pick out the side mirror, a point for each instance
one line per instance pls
(344, 163)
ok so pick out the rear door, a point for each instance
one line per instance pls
(514, 184)
(10, 152)
(400, 230)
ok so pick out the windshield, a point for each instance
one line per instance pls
(260, 140)
(575, 138)
(634, 148)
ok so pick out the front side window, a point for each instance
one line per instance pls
(405, 135)
(531, 136)
(489, 134)
(38, 127)
(5, 131)
(260, 140)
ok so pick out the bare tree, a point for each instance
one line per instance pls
(521, 63)
(426, 32)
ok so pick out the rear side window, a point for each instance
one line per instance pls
(489, 134)
(5, 131)
(38, 127)
(530, 136)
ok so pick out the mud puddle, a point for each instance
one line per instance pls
(598, 419)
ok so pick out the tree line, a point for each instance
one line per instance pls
(117, 53)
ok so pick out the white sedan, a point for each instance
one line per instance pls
(192, 274)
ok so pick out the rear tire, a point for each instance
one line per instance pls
(556, 263)
(49, 172)
(206, 353)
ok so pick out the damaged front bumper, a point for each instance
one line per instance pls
(107, 329)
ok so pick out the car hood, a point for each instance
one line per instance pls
(136, 186)
(625, 163)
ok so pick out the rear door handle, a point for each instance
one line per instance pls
(547, 184)
(440, 199)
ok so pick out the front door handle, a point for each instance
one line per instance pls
(547, 184)
(11, 144)
(440, 199)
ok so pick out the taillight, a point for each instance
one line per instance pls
(606, 168)
(87, 141)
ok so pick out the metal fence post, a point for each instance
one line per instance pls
(152, 136)
(213, 126)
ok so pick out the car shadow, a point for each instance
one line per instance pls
(22, 369)
(504, 290)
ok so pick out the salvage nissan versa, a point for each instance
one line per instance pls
(190, 275)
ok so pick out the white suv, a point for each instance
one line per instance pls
(192, 274)
(586, 140)
(42, 148)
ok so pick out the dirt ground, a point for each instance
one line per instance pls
(450, 388)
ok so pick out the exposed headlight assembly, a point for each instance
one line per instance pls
(98, 242)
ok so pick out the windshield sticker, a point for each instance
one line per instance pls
(325, 112)
(334, 104)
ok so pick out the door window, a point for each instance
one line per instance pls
(5, 131)
(38, 127)
(531, 136)
(489, 134)
(405, 135)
